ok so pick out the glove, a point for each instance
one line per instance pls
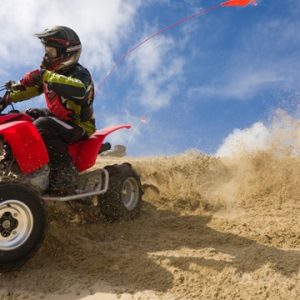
(36, 113)
(32, 78)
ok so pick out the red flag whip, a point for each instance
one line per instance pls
(241, 3)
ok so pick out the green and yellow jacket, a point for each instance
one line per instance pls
(69, 96)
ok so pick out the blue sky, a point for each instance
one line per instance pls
(200, 85)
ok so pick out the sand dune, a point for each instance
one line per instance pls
(210, 228)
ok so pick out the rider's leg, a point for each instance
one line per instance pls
(57, 135)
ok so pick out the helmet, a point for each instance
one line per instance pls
(62, 48)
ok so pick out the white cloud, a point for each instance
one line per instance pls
(241, 85)
(246, 140)
(100, 25)
(158, 72)
(282, 136)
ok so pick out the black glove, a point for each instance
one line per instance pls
(36, 113)
(14, 86)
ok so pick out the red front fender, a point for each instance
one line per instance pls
(27, 145)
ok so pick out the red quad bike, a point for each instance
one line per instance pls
(24, 186)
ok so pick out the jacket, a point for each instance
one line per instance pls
(69, 96)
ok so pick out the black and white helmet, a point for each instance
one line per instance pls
(62, 48)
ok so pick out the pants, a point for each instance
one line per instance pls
(57, 135)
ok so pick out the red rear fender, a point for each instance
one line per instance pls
(85, 152)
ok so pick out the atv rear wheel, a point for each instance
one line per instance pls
(124, 196)
(23, 223)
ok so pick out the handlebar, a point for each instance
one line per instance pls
(9, 87)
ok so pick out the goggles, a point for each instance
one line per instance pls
(51, 52)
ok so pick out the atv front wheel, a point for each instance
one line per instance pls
(23, 223)
(124, 196)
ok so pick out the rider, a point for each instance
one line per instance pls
(69, 92)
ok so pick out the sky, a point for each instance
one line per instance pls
(214, 80)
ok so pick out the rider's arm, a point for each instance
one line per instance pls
(66, 86)
(27, 93)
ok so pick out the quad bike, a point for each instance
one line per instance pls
(24, 186)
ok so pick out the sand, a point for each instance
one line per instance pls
(209, 229)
